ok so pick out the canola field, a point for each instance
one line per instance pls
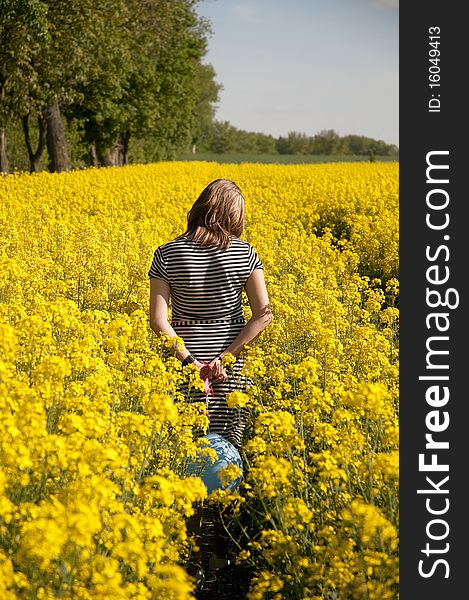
(95, 435)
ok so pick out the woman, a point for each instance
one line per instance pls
(203, 271)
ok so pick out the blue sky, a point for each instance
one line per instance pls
(307, 65)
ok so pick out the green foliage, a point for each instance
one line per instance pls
(204, 109)
(147, 81)
(23, 25)
(328, 142)
(120, 69)
(224, 138)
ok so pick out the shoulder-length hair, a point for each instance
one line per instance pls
(216, 215)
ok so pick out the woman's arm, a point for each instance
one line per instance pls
(159, 302)
(261, 315)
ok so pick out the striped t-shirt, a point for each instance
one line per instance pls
(206, 282)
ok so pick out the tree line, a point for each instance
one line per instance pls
(222, 137)
(100, 75)
(108, 82)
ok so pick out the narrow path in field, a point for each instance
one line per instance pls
(230, 584)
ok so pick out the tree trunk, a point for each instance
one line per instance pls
(34, 156)
(56, 144)
(107, 158)
(93, 154)
(111, 157)
(125, 147)
(3, 150)
(3, 135)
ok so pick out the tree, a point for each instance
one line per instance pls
(266, 144)
(82, 33)
(203, 112)
(23, 24)
(355, 144)
(294, 143)
(52, 43)
(43, 54)
(224, 137)
(149, 86)
(326, 141)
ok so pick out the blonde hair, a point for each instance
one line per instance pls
(216, 215)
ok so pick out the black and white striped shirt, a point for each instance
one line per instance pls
(206, 282)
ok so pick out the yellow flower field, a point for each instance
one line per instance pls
(94, 433)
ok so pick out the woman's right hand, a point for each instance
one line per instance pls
(218, 373)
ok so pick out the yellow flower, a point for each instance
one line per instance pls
(237, 399)
(98, 419)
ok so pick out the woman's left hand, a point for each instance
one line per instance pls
(203, 367)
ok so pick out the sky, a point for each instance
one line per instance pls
(306, 65)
